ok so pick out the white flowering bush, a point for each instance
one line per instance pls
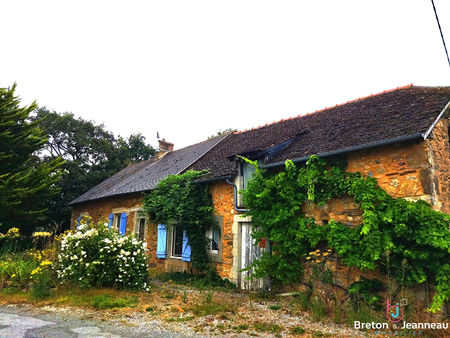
(98, 256)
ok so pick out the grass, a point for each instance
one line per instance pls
(266, 327)
(297, 330)
(179, 319)
(106, 301)
(212, 308)
(275, 307)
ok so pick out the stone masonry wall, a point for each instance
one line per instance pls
(417, 170)
(223, 200)
(440, 157)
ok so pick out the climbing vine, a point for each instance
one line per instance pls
(178, 199)
(409, 237)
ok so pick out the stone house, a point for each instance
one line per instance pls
(400, 137)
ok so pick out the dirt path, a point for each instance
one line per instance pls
(27, 321)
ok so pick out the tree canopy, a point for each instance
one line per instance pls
(25, 180)
(91, 155)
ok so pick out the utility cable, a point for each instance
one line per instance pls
(440, 30)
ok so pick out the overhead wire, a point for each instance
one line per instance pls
(440, 30)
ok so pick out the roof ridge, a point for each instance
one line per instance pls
(207, 140)
(329, 107)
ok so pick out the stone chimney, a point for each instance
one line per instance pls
(164, 148)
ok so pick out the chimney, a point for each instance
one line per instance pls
(164, 148)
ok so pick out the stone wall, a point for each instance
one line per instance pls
(223, 201)
(100, 209)
(440, 158)
(414, 170)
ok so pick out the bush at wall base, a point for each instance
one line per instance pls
(97, 256)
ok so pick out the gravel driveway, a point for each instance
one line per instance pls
(27, 321)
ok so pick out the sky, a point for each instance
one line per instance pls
(190, 68)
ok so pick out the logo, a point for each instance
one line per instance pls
(394, 313)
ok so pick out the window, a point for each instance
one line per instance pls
(248, 171)
(116, 222)
(140, 228)
(213, 236)
(177, 241)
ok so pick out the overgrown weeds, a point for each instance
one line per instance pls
(106, 301)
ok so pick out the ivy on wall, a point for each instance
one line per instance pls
(178, 199)
(409, 238)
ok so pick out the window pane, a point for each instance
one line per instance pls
(177, 241)
(215, 239)
(117, 220)
(141, 229)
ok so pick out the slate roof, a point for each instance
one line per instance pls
(391, 115)
(145, 175)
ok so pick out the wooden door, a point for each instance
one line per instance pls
(249, 253)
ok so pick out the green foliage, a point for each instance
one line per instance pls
(91, 155)
(179, 199)
(25, 181)
(266, 327)
(415, 236)
(298, 330)
(108, 302)
(366, 291)
(98, 256)
(16, 269)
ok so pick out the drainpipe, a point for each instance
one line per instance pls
(235, 197)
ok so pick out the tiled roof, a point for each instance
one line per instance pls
(390, 115)
(145, 175)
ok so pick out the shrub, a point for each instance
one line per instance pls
(98, 256)
(42, 280)
(16, 269)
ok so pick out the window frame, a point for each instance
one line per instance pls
(138, 224)
(171, 242)
(216, 257)
(116, 221)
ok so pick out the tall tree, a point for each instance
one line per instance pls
(26, 182)
(91, 155)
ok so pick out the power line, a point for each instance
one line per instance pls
(440, 30)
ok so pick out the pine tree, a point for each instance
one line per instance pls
(26, 181)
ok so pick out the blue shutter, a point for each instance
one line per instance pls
(78, 222)
(111, 218)
(186, 252)
(162, 241)
(123, 223)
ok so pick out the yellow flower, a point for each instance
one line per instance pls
(41, 234)
(329, 250)
(317, 260)
(46, 262)
(308, 257)
(325, 254)
(13, 233)
(312, 253)
(13, 275)
(35, 271)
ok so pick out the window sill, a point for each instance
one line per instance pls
(175, 257)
